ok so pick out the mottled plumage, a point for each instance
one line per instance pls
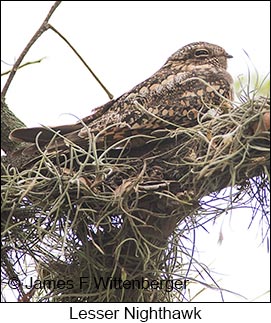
(193, 80)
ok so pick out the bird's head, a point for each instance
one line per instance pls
(199, 53)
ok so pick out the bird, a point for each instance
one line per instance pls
(192, 81)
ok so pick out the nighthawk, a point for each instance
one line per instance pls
(193, 80)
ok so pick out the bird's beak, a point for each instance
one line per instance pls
(228, 55)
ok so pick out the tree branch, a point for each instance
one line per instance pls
(82, 60)
(44, 26)
(9, 122)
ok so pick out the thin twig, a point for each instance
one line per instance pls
(44, 26)
(82, 60)
(23, 65)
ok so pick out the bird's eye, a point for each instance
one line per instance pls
(201, 53)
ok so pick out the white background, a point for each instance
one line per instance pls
(124, 43)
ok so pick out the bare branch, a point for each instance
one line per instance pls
(44, 26)
(82, 60)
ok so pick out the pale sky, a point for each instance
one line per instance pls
(124, 43)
